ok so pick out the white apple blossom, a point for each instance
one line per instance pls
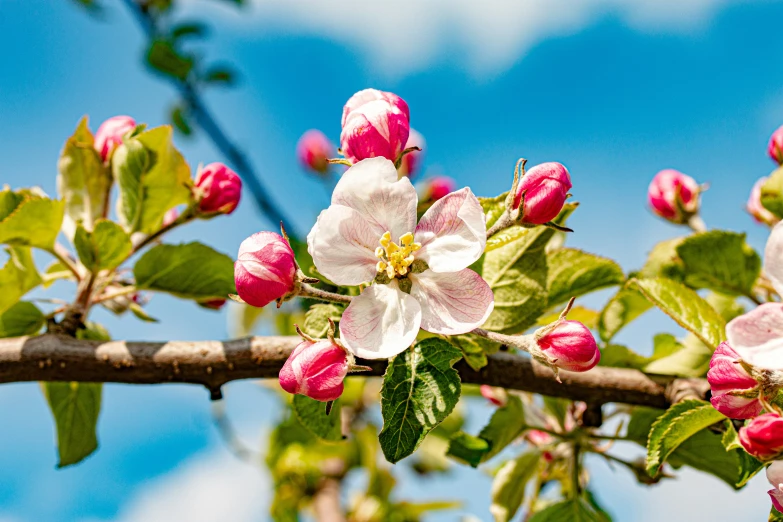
(775, 477)
(757, 336)
(419, 272)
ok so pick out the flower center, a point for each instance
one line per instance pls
(395, 258)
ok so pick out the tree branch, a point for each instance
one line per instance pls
(52, 357)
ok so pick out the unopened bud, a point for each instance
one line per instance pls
(316, 369)
(497, 396)
(375, 123)
(438, 187)
(265, 269)
(314, 150)
(212, 304)
(541, 193)
(734, 392)
(674, 196)
(569, 345)
(110, 133)
(775, 147)
(219, 189)
(763, 436)
(756, 209)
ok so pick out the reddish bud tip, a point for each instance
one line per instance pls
(110, 133)
(673, 196)
(775, 147)
(375, 123)
(316, 369)
(220, 188)
(265, 269)
(542, 192)
(763, 436)
(570, 346)
(314, 150)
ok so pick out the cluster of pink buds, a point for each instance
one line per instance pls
(218, 189)
(674, 196)
(110, 133)
(265, 270)
(375, 123)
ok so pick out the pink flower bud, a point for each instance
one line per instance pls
(734, 391)
(316, 369)
(763, 436)
(570, 346)
(438, 187)
(496, 396)
(412, 161)
(213, 304)
(220, 188)
(375, 123)
(775, 147)
(538, 438)
(110, 133)
(314, 150)
(775, 478)
(170, 216)
(756, 209)
(673, 196)
(265, 269)
(542, 191)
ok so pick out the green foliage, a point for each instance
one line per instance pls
(508, 487)
(663, 261)
(190, 271)
(624, 307)
(420, 389)
(29, 219)
(573, 273)
(775, 515)
(23, 318)
(75, 407)
(684, 306)
(152, 177)
(572, 510)
(772, 193)
(17, 277)
(748, 465)
(720, 261)
(475, 349)
(83, 181)
(316, 322)
(163, 57)
(105, 248)
(691, 358)
(312, 415)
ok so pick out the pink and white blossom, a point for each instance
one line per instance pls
(775, 478)
(109, 135)
(265, 269)
(375, 124)
(420, 274)
(316, 370)
(734, 392)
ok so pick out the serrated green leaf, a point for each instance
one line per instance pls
(83, 181)
(316, 322)
(748, 465)
(691, 358)
(619, 356)
(23, 318)
(584, 315)
(685, 306)
(679, 423)
(573, 273)
(508, 487)
(130, 163)
(312, 415)
(726, 305)
(721, 261)
(140, 313)
(624, 307)
(467, 448)
(772, 193)
(105, 248)
(29, 220)
(189, 271)
(75, 407)
(573, 510)
(17, 277)
(474, 349)
(663, 261)
(420, 389)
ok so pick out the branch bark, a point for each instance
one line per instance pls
(53, 357)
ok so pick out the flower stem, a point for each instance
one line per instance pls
(696, 223)
(306, 290)
(64, 257)
(503, 222)
(111, 295)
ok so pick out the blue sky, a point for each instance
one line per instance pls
(614, 90)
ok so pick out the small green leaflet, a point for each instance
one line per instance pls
(105, 248)
(75, 407)
(475, 349)
(508, 487)
(572, 510)
(312, 415)
(772, 193)
(420, 389)
(17, 277)
(621, 309)
(573, 273)
(23, 318)
(316, 322)
(27, 219)
(671, 429)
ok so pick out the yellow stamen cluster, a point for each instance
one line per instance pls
(395, 259)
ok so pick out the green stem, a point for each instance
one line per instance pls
(108, 296)
(64, 256)
(306, 290)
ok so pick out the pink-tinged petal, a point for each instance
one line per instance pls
(452, 303)
(736, 407)
(757, 336)
(453, 232)
(777, 498)
(773, 258)
(372, 188)
(726, 374)
(343, 244)
(775, 474)
(380, 323)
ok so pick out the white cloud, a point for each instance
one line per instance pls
(210, 487)
(484, 36)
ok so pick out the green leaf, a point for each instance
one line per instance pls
(105, 248)
(179, 117)
(619, 356)
(140, 313)
(684, 306)
(188, 29)
(679, 423)
(663, 261)
(164, 58)
(688, 359)
(75, 407)
(316, 322)
(474, 349)
(720, 261)
(17, 277)
(312, 415)
(508, 487)
(624, 307)
(748, 465)
(221, 75)
(83, 181)
(27, 219)
(467, 448)
(775, 515)
(21, 319)
(420, 389)
(726, 305)
(772, 193)
(573, 273)
(189, 271)
(573, 510)
(152, 177)
(93, 332)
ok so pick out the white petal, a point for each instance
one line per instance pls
(343, 244)
(380, 323)
(453, 303)
(453, 232)
(757, 336)
(775, 473)
(773, 258)
(371, 187)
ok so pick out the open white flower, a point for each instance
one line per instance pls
(757, 336)
(420, 274)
